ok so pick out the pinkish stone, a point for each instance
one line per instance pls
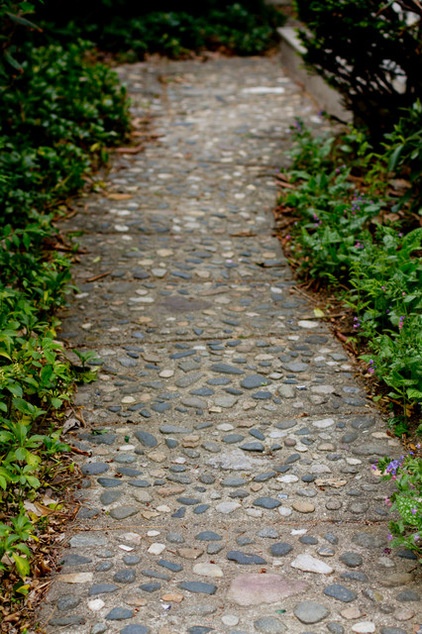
(254, 589)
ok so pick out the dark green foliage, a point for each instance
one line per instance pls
(366, 241)
(169, 28)
(59, 114)
(371, 51)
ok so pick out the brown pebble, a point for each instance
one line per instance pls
(303, 507)
(173, 597)
(190, 553)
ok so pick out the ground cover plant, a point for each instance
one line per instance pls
(246, 27)
(350, 220)
(59, 114)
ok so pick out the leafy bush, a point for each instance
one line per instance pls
(59, 114)
(348, 234)
(245, 28)
(406, 500)
(370, 51)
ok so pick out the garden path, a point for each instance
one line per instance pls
(228, 486)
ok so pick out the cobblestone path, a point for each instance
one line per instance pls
(228, 487)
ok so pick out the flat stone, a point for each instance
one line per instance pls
(68, 602)
(146, 439)
(352, 560)
(245, 559)
(207, 570)
(310, 612)
(252, 446)
(392, 630)
(71, 619)
(119, 614)
(122, 512)
(307, 563)
(135, 629)
(76, 577)
(335, 628)
(267, 503)
(281, 549)
(269, 625)
(102, 588)
(190, 553)
(257, 589)
(198, 587)
(396, 579)
(225, 368)
(254, 381)
(124, 576)
(227, 507)
(86, 540)
(364, 627)
(208, 536)
(408, 595)
(302, 506)
(339, 592)
(95, 468)
(369, 540)
(174, 429)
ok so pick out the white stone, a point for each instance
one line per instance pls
(288, 479)
(77, 577)
(156, 548)
(128, 399)
(96, 604)
(207, 570)
(230, 619)
(304, 323)
(227, 507)
(324, 423)
(323, 389)
(127, 549)
(254, 512)
(364, 627)
(307, 563)
(166, 374)
(163, 508)
(133, 538)
(285, 511)
(153, 533)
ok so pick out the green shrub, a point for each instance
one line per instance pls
(370, 51)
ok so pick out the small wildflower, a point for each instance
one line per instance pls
(413, 511)
(383, 288)
(387, 502)
(387, 551)
(401, 322)
(356, 323)
(371, 366)
(389, 537)
(359, 245)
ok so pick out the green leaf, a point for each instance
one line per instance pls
(22, 565)
(18, 19)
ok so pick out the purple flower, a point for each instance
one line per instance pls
(394, 466)
(389, 537)
(413, 511)
(356, 323)
(401, 322)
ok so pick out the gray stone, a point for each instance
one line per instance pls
(392, 630)
(269, 532)
(135, 629)
(200, 629)
(131, 560)
(102, 588)
(174, 429)
(146, 439)
(119, 614)
(245, 559)
(170, 565)
(369, 540)
(252, 446)
(124, 576)
(280, 549)
(110, 496)
(408, 595)
(351, 559)
(269, 625)
(151, 587)
(95, 468)
(72, 619)
(310, 612)
(109, 483)
(267, 503)
(198, 587)
(253, 381)
(122, 512)
(335, 628)
(225, 368)
(339, 592)
(68, 602)
(85, 540)
(208, 536)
